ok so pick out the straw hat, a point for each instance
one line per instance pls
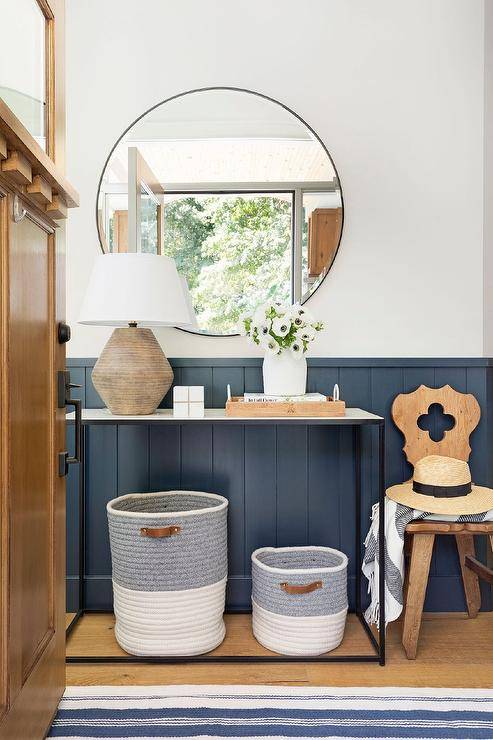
(442, 485)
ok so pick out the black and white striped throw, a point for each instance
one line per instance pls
(397, 517)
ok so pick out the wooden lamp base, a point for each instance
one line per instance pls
(132, 374)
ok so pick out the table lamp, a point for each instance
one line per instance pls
(134, 291)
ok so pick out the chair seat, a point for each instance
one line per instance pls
(456, 528)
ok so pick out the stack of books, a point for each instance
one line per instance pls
(263, 398)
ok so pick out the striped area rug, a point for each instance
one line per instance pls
(272, 712)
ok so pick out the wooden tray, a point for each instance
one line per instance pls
(237, 407)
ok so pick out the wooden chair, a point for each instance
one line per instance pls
(406, 411)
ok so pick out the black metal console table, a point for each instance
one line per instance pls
(356, 419)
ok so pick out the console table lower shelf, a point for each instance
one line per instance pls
(368, 645)
(94, 633)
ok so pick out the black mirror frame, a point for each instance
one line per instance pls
(233, 89)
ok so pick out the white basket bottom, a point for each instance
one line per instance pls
(167, 623)
(297, 635)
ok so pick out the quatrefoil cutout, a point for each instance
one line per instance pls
(436, 422)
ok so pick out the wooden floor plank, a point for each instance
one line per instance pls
(453, 651)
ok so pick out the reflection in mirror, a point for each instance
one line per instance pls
(233, 186)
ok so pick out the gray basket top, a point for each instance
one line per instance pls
(299, 560)
(166, 504)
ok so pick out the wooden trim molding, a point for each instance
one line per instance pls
(18, 168)
(40, 191)
(4, 462)
(20, 141)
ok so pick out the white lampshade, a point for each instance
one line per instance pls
(135, 287)
(192, 321)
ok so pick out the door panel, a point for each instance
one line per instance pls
(31, 422)
(33, 525)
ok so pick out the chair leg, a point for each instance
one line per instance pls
(422, 550)
(465, 546)
(408, 546)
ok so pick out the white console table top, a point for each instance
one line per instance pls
(103, 416)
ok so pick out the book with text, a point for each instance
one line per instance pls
(262, 398)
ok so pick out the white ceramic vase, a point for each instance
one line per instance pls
(284, 375)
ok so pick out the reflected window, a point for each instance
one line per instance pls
(233, 249)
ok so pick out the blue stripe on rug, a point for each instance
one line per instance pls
(397, 716)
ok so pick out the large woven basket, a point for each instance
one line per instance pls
(169, 557)
(299, 599)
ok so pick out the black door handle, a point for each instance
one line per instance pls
(64, 399)
(64, 332)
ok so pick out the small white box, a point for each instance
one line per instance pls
(196, 393)
(180, 394)
(180, 410)
(196, 410)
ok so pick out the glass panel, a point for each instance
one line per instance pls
(148, 222)
(234, 250)
(322, 223)
(22, 65)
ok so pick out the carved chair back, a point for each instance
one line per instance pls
(409, 407)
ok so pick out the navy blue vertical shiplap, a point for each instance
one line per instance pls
(292, 485)
(322, 380)
(78, 377)
(196, 456)
(72, 528)
(101, 481)
(133, 458)
(260, 488)
(386, 384)
(355, 387)
(324, 492)
(93, 399)
(228, 479)
(221, 377)
(199, 376)
(164, 457)
(477, 384)
(347, 505)
(167, 401)
(253, 379)
(278, 479)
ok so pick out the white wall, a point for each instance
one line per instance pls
(488, 180)
(395, 90)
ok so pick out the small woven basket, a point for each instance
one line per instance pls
(169, 557)
(299, 599)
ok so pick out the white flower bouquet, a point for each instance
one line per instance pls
(277, 328)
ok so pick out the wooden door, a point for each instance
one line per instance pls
(324, 231)
(33, 495)
(34, 196)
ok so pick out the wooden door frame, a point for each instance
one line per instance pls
(23, 706)
(50, 112)
(4, 457)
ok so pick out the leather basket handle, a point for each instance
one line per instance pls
(156, 532)
(305, 588)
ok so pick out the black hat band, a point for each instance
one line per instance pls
(442, 491)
